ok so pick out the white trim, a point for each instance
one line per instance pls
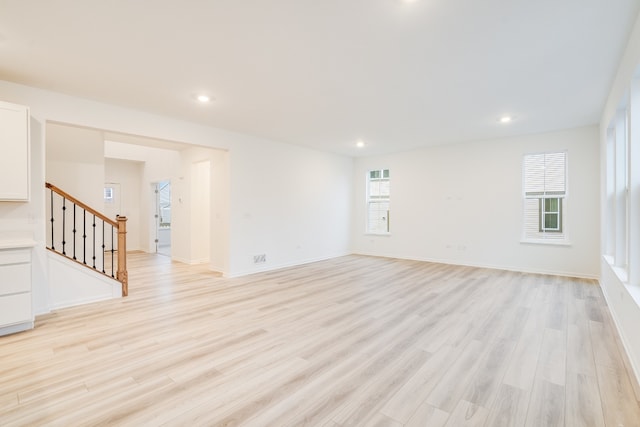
(622, 275)
(267, 268)
(370, 200)
(82, 301)
(482, 265)
(634, 293)
(19, 327)
(562, 213)
(17, 244)
(560, 242)
(184, 260)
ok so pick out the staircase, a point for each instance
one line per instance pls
(86, 237)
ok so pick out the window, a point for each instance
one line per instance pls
(378, 201)
(545, 190)
(551, 214)
(163, 191)
(108, 194)
(619, 132)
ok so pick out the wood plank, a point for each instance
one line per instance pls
(522, 368)
(335, 391)
(583, 406)
(509, 408)
(579, 350)
(605, 349)
(627, 365)
(451, 386)
(619, 406)
(608, 320)
(546, 407)
(404, 403)
(557, 310)
(8, 401)
(357, 410)
(428, 416)
(485, 383)
(553, 357)
(467, 414)
(353, 340)
(379, 420)
(238, 398)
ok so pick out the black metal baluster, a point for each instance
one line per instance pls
(64, 215)
(84, 236)
(74, 231)
(97, 245)
(112, 251)
(94, 241)
(53, 246)
(103, 246)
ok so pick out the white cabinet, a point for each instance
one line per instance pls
(16, 313)
(14, 149)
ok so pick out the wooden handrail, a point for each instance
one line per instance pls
(122, 275)
(82, 205)
(120, 224)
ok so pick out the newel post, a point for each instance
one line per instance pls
(122, 274)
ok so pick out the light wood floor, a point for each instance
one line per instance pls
(350, 341)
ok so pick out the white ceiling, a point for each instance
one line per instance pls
(325, 73)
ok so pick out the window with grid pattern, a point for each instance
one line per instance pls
(378, 201)
(545, 191)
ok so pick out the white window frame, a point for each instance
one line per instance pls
(544, 235)
(544, 213)
(108, 194)
(379, 198)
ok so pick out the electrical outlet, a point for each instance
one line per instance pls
(259, 259)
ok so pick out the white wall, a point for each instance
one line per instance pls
(128, 174)
(623, 299)
(72, 284)
(278, 194)
(75, 162)
(190, 242)
(462, 204)
(220, 186)
(158, 164)
(292, 204)
(201, 211)
(27, 220)
(209, 214)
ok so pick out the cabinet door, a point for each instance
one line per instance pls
(16, 278)
(15, 309)
(14, 146)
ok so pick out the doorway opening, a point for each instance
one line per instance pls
(163, 217)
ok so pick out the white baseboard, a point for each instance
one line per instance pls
(267, 267)
(20, 327)
(483, 265)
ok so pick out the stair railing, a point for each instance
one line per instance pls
(88, 237)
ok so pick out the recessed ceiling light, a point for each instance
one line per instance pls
(360, 144)
(506, 119)
(203, 98)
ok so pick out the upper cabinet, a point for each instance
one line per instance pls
(14, 152)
